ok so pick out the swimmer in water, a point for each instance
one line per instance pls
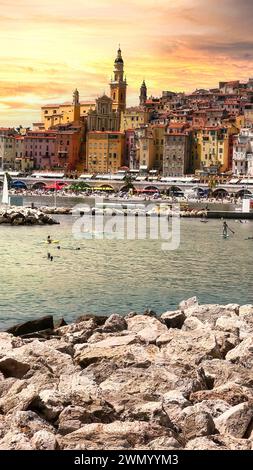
(51, 258)
(48, 255)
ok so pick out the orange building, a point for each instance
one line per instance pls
(105, 151)
(68, 146)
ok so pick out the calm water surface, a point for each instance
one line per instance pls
(110, 276)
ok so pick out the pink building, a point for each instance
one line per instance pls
(40, 146)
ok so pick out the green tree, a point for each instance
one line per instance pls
(128, 182)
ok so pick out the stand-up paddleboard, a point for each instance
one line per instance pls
(51, 241)
(225, 236)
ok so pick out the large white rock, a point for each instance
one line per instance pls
(119, 435)
(44, 440)
(192, 302)
(209, 313)
(204, 443)
(123, 355)
(197, 423)
(38, 354)
(192, 323)
(190, 347)
(243, 353)
(8, 342)
(246, 310)
(78, 388)
(148, 328)
(14, 440)
(235, 421)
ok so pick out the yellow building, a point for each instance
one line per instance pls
(133, 118)
(240, 121)
(105, 151)
(211, 148)
(55, 114)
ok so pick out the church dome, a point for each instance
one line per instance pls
(119, 59)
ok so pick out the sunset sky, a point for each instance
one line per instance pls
(50, 47)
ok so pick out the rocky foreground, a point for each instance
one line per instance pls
(25, 216)
(180, 381)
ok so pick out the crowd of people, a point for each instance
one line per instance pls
(144, 196)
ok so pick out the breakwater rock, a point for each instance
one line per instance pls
(155, 212)
(25, 216)
(56, 210)
(182, 380)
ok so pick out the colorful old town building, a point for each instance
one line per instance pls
(243, 153)
(39, 146)
(177, 145)
(7, 148)
(105, 151)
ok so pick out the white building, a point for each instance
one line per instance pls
(243, 153)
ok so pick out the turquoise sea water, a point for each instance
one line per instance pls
(116, 276)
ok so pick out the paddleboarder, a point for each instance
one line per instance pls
(226, 228)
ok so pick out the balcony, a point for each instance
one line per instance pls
(62, 153)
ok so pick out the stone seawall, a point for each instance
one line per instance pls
(179, 381)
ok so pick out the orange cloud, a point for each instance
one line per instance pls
(50, 49)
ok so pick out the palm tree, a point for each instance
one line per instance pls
(128, 182)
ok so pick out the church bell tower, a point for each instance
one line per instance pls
(76, 106)
(118, 85)
(143, 94)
